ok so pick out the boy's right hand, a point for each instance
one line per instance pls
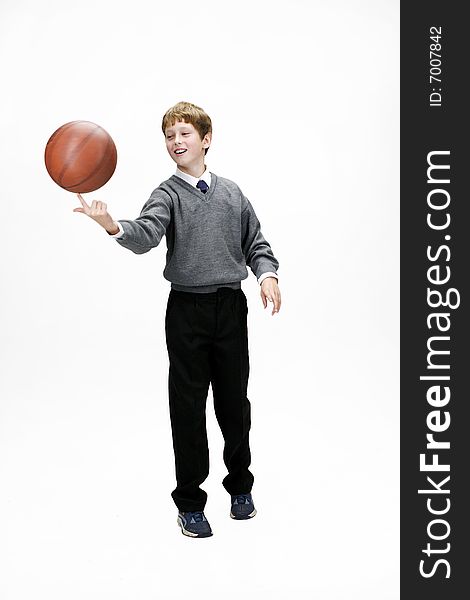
(98, 212)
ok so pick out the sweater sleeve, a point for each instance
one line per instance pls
(258, 254)
(146, 232)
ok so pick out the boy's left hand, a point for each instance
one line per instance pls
(270, 291)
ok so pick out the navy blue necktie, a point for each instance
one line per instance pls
(202, 185)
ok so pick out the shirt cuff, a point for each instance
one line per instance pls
(264, 275)
(119, 233)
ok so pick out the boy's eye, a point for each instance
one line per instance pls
(186, 133)
(168, 137)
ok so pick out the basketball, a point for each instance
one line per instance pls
(80, 156)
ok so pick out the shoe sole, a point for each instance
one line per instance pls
(250, 516)
(191, 533)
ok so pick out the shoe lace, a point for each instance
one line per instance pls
(242, 499)
(198, 516)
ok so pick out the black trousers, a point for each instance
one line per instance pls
(207, 341)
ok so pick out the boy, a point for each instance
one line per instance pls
(212, 233)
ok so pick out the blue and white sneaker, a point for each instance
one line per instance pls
(194, 524)
(242, 507)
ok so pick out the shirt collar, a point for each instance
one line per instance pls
(206, 176)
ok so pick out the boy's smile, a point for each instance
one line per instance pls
(186, 148)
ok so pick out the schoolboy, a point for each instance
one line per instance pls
(212, 233)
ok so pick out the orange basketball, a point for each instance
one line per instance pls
(80, 156)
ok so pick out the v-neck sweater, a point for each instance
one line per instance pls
(211, 238)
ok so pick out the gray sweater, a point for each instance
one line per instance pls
(210, 238)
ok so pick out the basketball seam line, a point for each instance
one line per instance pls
(90, 175)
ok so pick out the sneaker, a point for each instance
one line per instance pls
(194, 524)
(242, 507)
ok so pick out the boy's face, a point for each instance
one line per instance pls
(186, 148)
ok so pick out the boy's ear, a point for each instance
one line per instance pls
(207, 140)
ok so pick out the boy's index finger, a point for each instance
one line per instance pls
(84, 204)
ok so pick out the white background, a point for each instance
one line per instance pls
(304, 101)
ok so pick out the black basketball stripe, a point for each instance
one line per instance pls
(105, 157)
(77, 150)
